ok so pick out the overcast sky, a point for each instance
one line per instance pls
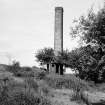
(28, 25)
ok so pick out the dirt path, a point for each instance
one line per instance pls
(62, 97)
(95, 96)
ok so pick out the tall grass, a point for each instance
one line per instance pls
(44, 89)
(32, 83)
(26, 93)
(69, 82)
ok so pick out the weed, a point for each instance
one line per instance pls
(32, 83)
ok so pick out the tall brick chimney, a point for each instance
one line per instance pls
(58, 35)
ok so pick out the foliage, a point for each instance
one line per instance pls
(25, 93)
(21, 71)
(14, 68)
(85, 61)
(32, 83)
(63, 57)
(80, 97)
(45, 55)
(67, 81)
(15, 63)
(44, 88)
(91, 30)
(40, 75)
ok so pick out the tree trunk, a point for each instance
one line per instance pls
(57, 68)
(61, 69)
(48, 67)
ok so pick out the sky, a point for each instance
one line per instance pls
(28, 25)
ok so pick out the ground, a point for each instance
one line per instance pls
(62, 97)
(95, 95)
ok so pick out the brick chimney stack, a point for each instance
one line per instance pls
(58, 35)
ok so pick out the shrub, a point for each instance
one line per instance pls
(21, 71)
(32, 83)
(44, 89)
(45, 101)
(80, 96)
(40, 75)
(27, 97)
(24, 98)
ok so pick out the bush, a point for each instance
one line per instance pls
(32, 83)
(27, 97)
(70, 82)
(81, 97)
(40, 75)
(24, 98)
(21, 71)
(44, 89)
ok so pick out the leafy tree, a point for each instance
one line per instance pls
(15, 67)
(91, 30)
(62, 58)
(45, 56)
(16, 64)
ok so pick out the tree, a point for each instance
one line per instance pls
(16, 64)
(62, 58)
(45, 56)
(83, 63)
(91, 30)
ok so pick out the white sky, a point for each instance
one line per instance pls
(28, 25)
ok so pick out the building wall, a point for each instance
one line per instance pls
(52, 68)
(58, 35)
(69, 71)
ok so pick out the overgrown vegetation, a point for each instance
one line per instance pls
(45, 56)
(88, 62)
(39, 89)
(67, 82)
(25, 93)
(90, 59)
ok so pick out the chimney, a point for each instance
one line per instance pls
(58, 35)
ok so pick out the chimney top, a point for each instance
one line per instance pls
(58, 8)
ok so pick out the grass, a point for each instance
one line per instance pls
(80, 97)
(26, 93)
(70, 82)
(66, 81)
(36, 90)
(44, 88)
(36, 87)
(32, 83)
